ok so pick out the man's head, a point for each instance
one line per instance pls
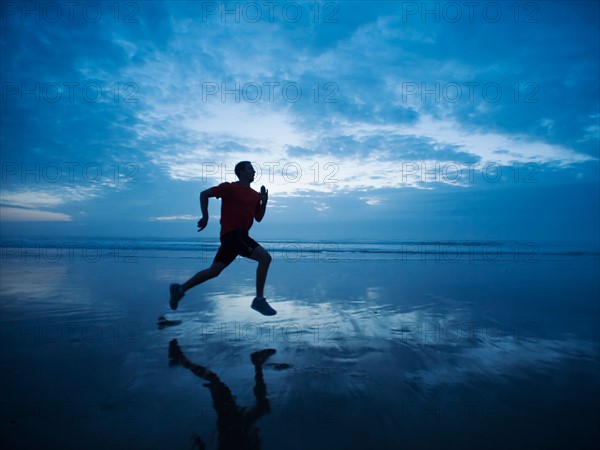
(245, 171)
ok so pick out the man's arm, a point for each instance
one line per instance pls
(204, 196)
(263, 197)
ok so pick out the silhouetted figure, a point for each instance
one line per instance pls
(235, 425)
(239, 207)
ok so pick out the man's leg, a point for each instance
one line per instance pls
(204, 275)
(177, 291)
(264, 260)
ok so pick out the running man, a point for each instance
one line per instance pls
(240, 205)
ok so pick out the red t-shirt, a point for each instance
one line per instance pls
(239, 205)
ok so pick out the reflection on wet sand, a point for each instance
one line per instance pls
(420, 355)
(235, 425)
(163, 322)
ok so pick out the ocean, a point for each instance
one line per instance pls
(92, 248)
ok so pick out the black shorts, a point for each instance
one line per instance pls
(234, 243)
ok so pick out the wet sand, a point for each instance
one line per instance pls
(383, 354)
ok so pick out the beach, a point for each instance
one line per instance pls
(371, 351)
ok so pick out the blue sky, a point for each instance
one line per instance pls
(402, 120)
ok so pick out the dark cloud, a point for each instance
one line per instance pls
(392, 148)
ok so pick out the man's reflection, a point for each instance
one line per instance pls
(235, 428)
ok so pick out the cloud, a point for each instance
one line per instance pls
(48, 196)
(172, 218)
(194, 137)
(319, 206)
(463, 141)
(357, 156)
(8, 214)
(372, 201)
